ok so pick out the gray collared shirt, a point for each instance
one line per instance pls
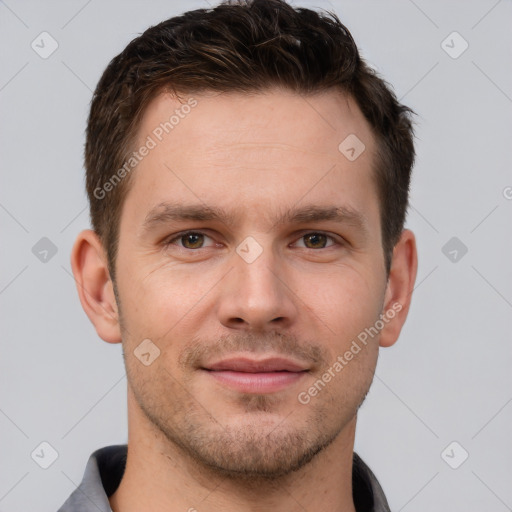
(105, 469)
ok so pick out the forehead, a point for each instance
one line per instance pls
(258, 151)
(305, 123)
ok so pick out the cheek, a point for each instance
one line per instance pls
(346, 302)
(348, 307)
(162, 301)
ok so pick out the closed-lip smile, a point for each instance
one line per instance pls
(249, 375)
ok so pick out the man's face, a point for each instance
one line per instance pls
(251, 309)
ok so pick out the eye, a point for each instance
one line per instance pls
(316, 240)
(189, 240)
(193, 240)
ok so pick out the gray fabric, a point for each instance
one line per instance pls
(90, 495)
(105, 469)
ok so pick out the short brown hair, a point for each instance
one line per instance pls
(241, 46)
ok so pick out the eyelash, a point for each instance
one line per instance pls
(192, 232)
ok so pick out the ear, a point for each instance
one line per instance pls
(399, 289)
(95, 289)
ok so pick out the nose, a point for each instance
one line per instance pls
(257, 295)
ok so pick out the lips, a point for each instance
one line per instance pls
(256, 376)
(275, 364)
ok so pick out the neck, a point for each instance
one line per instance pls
(159, 476)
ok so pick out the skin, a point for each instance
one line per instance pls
(195, 443)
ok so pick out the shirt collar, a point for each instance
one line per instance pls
(105, 469)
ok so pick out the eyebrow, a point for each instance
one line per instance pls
(166, 213)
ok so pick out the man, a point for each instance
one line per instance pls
(248, 178)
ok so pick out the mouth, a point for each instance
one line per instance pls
(249, 375)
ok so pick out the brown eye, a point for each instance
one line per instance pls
(315, 240)
(192, 240)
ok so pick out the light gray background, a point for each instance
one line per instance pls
(449, 376)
